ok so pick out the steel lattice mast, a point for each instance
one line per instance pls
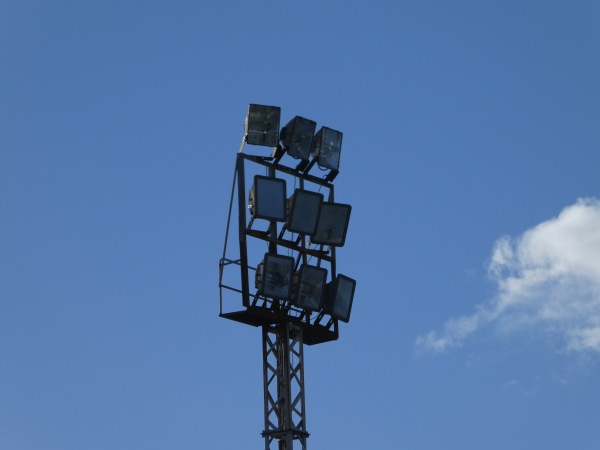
(283, 376)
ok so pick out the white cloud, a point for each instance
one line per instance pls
(547, 279)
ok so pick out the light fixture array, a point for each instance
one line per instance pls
(305, 213)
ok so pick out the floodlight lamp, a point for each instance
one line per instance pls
(267, 198)
(304, 208)
(262, 125)
(308, 287)
(274, 276)
(297, 137)
(332, 225)
(326, 148)
(339, 297)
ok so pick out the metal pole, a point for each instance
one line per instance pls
(283, 371)
(242, 228)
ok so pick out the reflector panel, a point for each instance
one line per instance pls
(309, 287)
(297, 137)
(304, 208)
(340, 295)
(267, 198)
(274, 276)
(262, 125)
(327, 147)
(333, 224)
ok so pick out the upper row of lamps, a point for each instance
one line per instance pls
(298, 139)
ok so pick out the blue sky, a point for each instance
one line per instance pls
(471, 161)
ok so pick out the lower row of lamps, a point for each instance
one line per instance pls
(305, 288)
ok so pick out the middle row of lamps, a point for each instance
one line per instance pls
(305, 212)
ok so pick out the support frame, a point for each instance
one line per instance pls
(285, 328)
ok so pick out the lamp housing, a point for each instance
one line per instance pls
(297, 137)
(304, 209)
(327, 147)
(262, 125)
(332, 225)
(339, 297)
(308, 287)
(274, 276)
(268, 199)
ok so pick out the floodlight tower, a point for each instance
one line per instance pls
(298, 296)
